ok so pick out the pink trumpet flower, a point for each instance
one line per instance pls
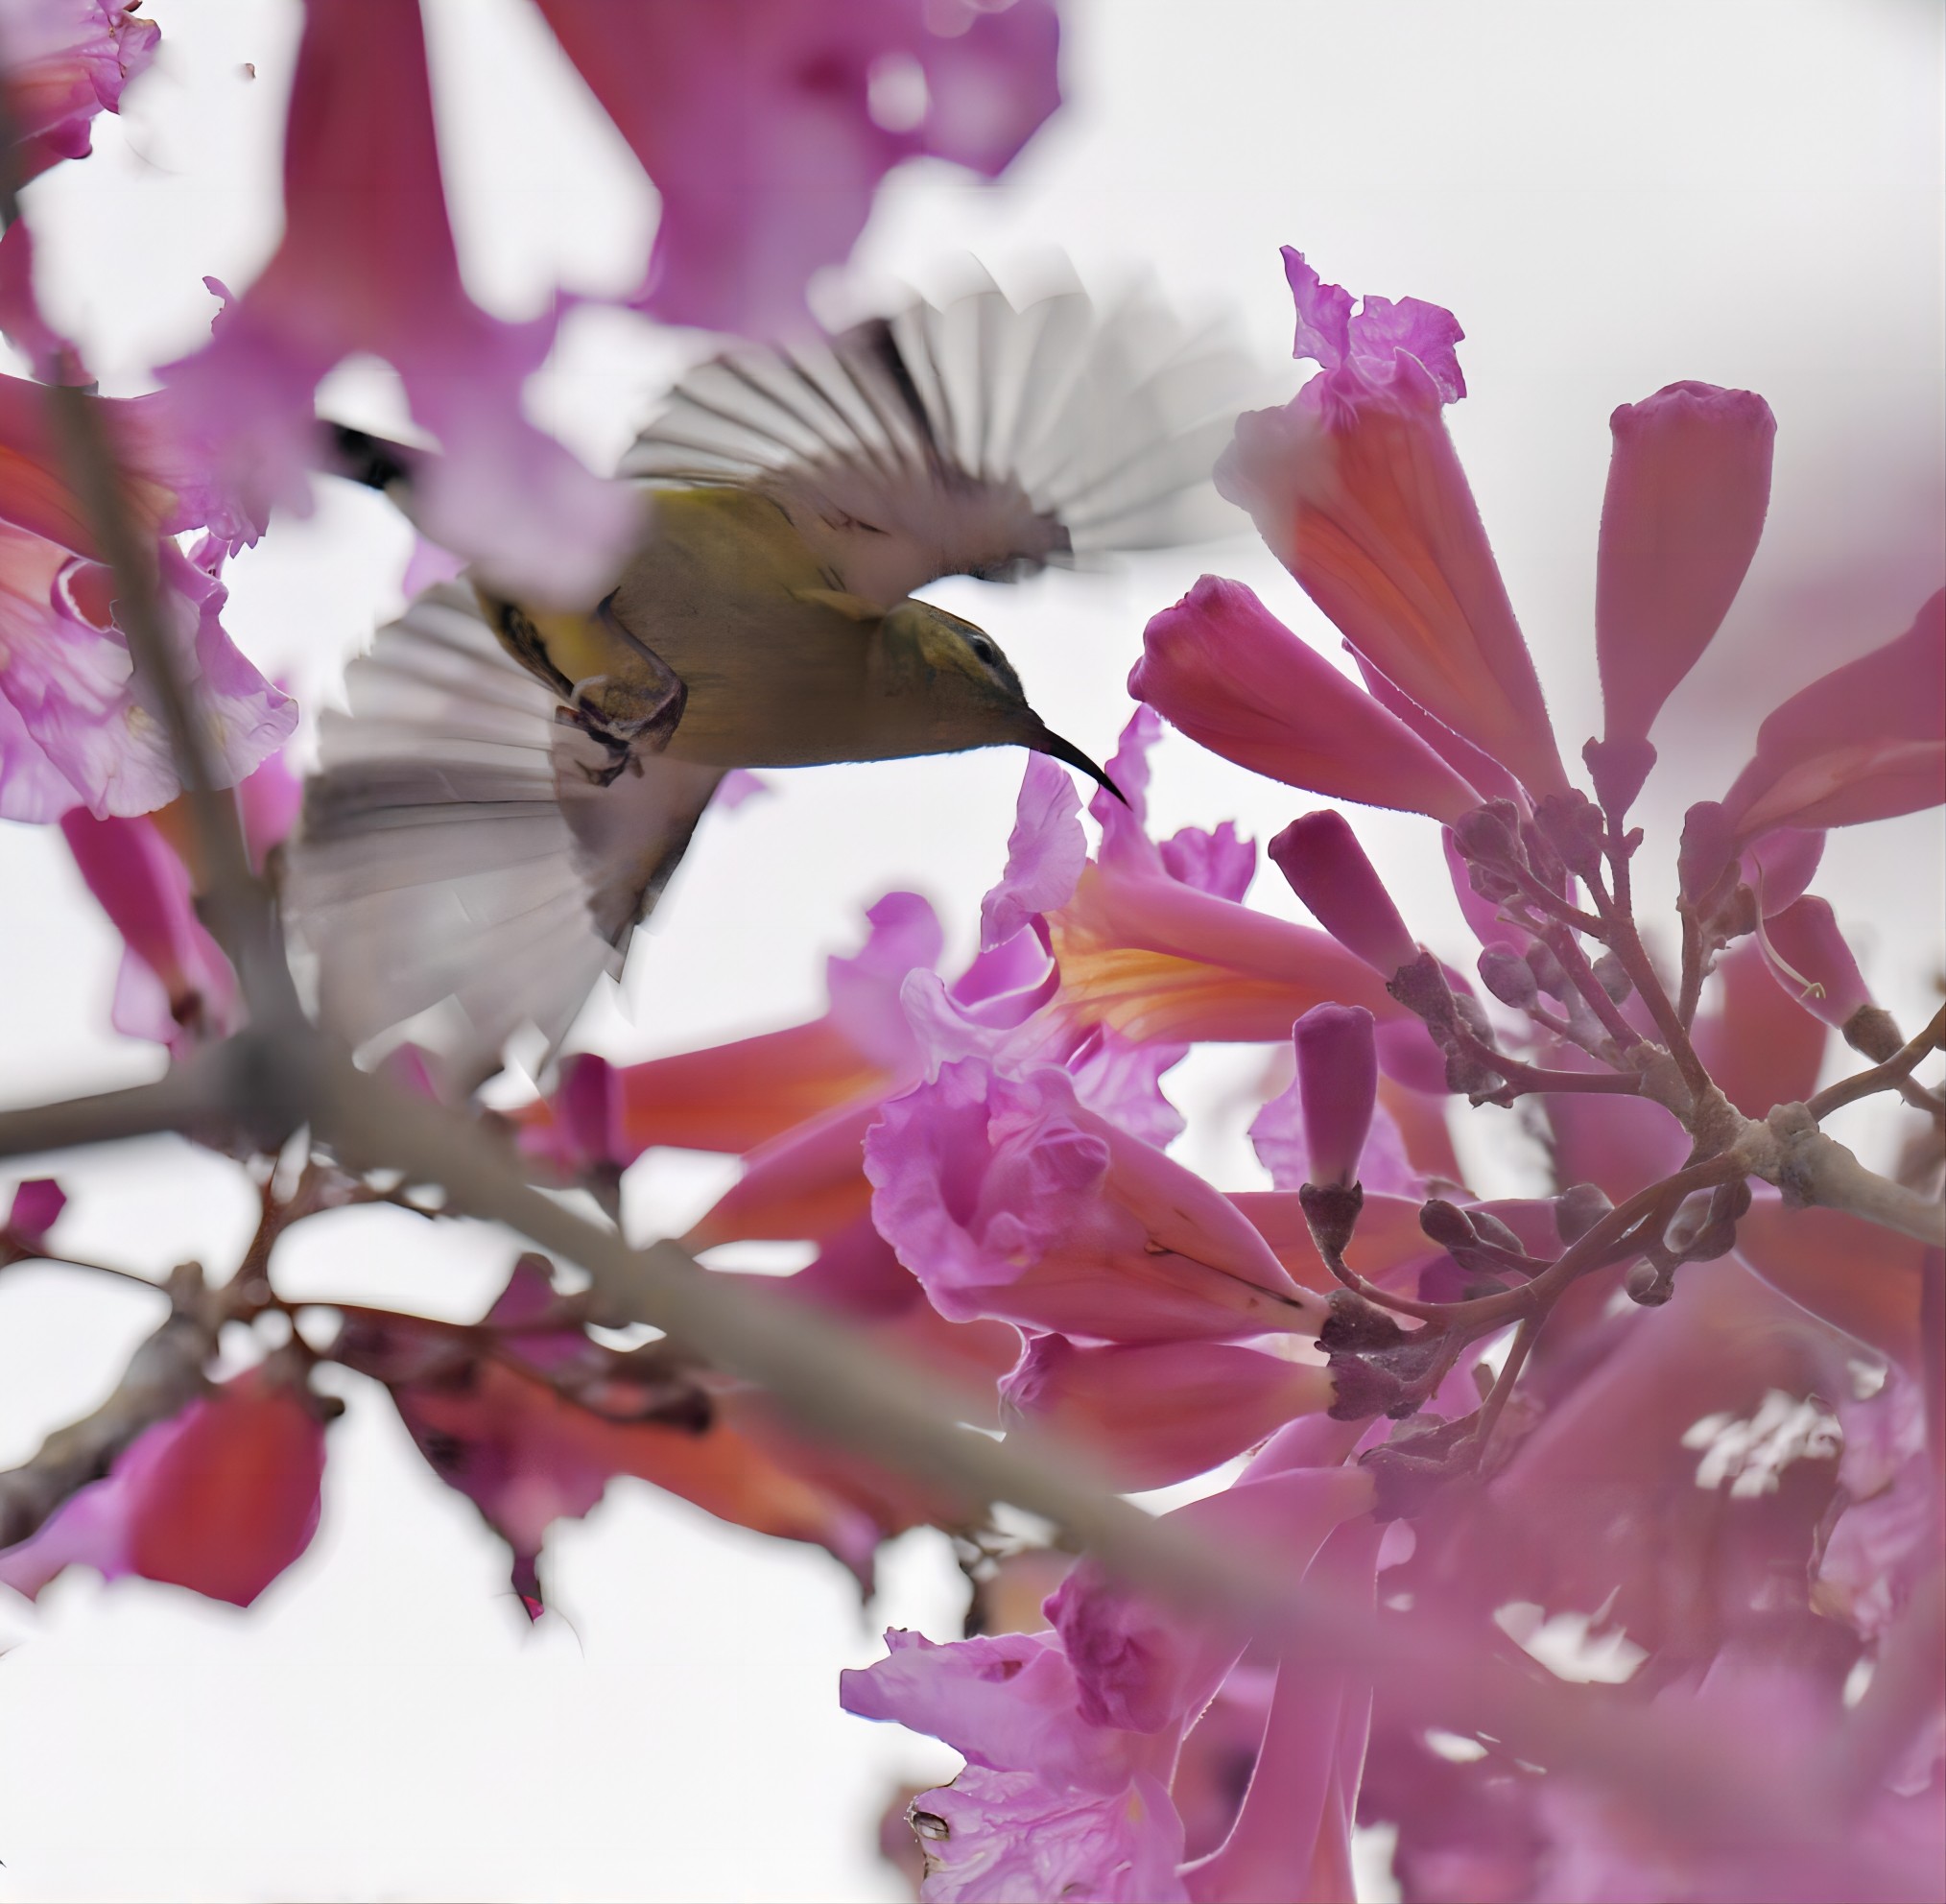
(1006, 1197)
(1327, 868)
(62, 62)
(1337, 1088)
(766, 125)
(368, 264)
(1356, 488)
(1156, 1413)
(1812, 964)
(1226, 672)
(1688, 487)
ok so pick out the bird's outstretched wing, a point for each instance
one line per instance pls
(972, 438)
(463, 849)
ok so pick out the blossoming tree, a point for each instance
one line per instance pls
(1693, 1395)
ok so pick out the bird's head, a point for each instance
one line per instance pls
(967, 688)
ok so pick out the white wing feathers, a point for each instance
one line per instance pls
(973, 438)
(452, 848)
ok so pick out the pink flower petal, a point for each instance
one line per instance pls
(1008, 1197)
(1866, 742)
(766, 126)
(37, 1207)
(220, 1498)
(65, 61)
(1235, 679)
(1044, 853)
(1158, 1412)
(1688, 487)
(1827, 982)
(368, 264)
(1356, 488)
(1327, 868)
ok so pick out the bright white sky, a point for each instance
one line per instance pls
(1610, 198)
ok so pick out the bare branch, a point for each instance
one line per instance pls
(164, 1376)
(1789, 1150)
(1888, 1076)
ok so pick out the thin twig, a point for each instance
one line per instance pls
(1893, 1072)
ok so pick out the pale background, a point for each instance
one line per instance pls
(1610, 198)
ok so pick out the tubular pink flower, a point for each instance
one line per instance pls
(1356, 488)
(62, 62)
(1235, 679)
(1276, 1134)
(766, 126)
(368, 264)
(1338, 1086)
(1781, 865)
(220, 1498)
(1823, 976)
(1854, 1276)
(1865, 741)
(1759, 1047)
(175, 986)
(1328, 870)
(1157, 1413)
(1293, 1837)
(1688, 487)
(740, 1095)
(1006, 1197)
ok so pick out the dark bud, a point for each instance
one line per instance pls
(1873, 1032)
(1332, 1211)
(1490, 834)
(1573, 827)
(1508, 976)
(1446, 1223)
(1542, 859)
(1489, 1228)
(1377, 1366)
(1490, 885)
(1650, 1285)
(1618, 769)
(1547, 971)
(1418, 1459)
(1716, 1235)
(1467, 1077)
(1421, 987)
(1611, 978)
(1578, 1209)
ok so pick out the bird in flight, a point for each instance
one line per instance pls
(513, 785)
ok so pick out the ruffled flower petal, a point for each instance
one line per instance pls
(1356, 488)
(1008, 1197)
(65, 60)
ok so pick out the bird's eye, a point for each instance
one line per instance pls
(983, 649)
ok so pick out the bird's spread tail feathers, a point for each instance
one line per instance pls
(454, 857)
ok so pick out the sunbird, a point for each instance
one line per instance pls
(513, 786)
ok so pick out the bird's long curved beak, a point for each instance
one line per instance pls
(1050, 744)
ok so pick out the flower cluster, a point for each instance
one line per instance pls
(1674, 1421)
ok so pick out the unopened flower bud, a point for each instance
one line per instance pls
(1336, 1088)
(1543, 861)
(1547, 971)
(1650, 1286)
(1489, 1228)
(1705, 862)
(1488, 835)
(1611, 978)
(1445, 1224)
(1508, 976)
(1812, 962)
(1578, 1209)
(1572, 824)
(1328, 870)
